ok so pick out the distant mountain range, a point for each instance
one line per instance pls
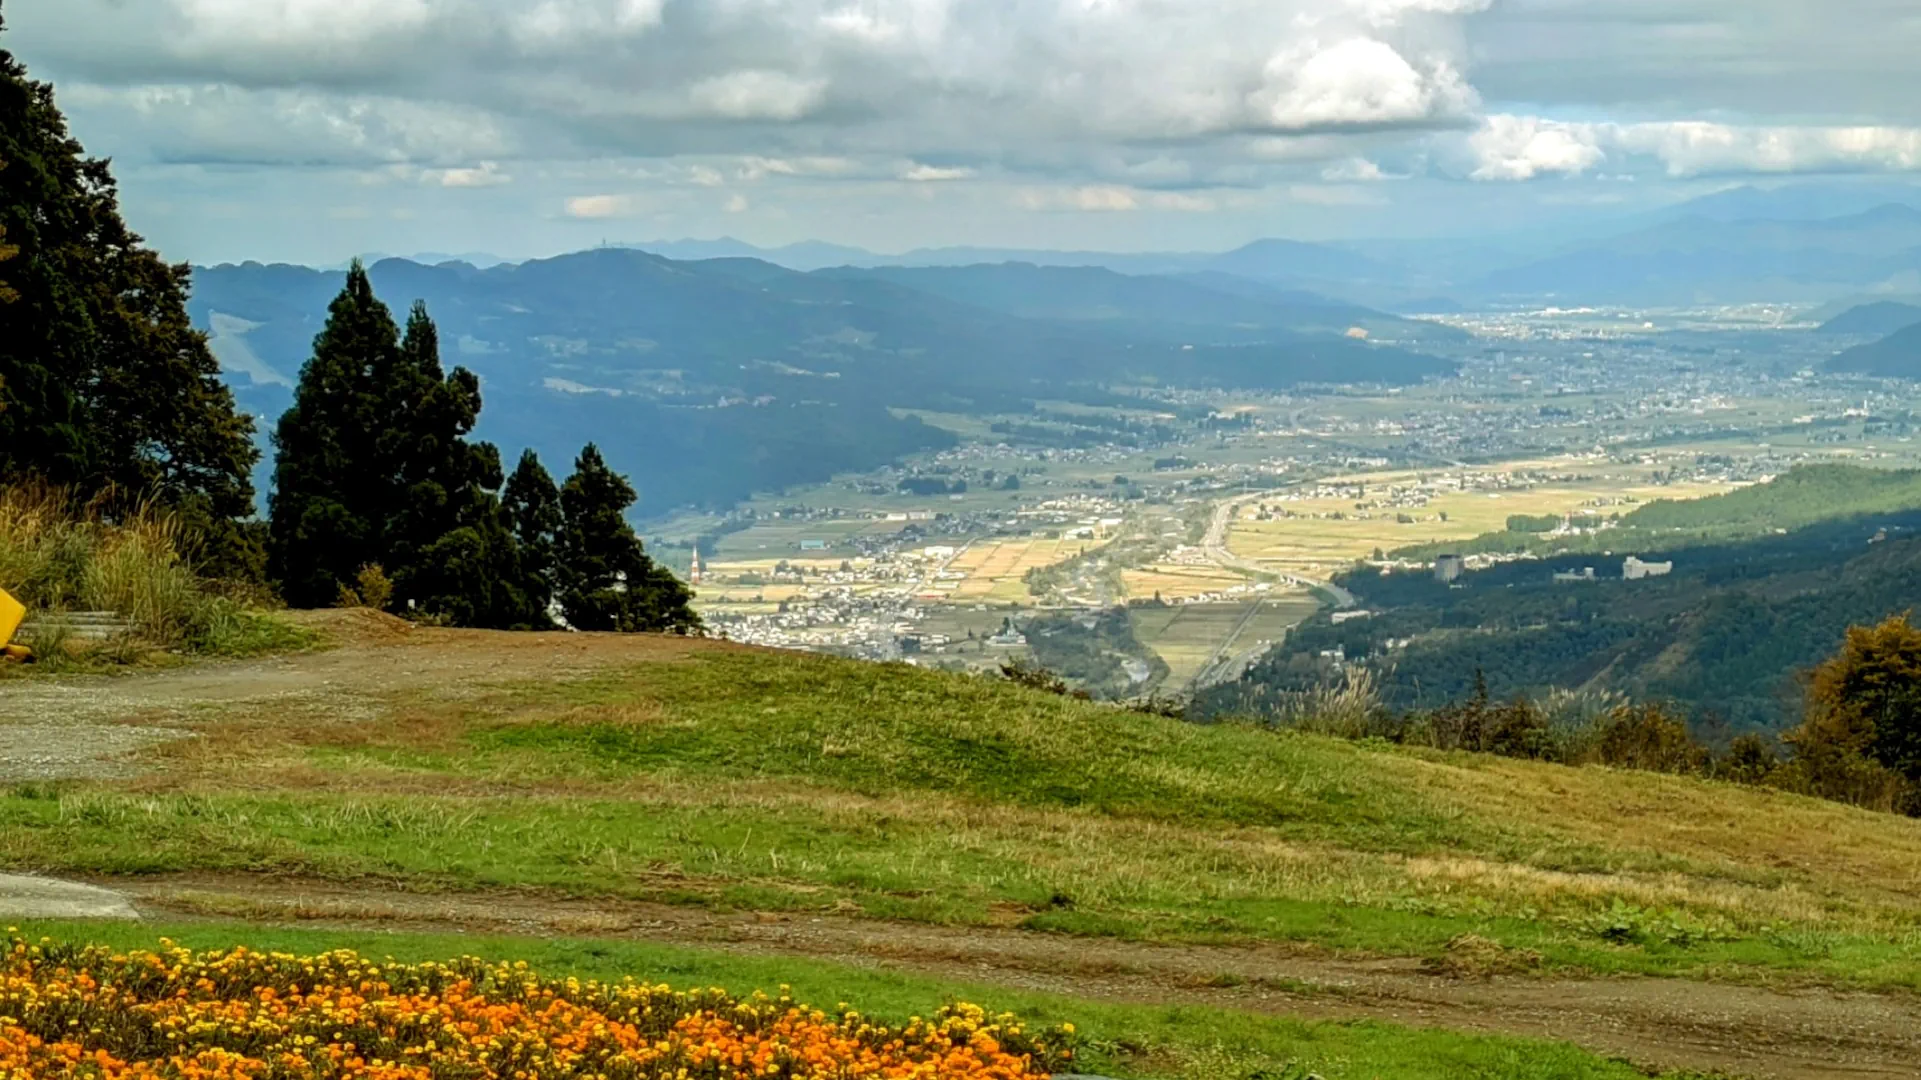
(1705, 260)
(1872, 320)
(1802, 243)
(713, 379)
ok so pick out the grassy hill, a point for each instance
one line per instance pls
(739, 779)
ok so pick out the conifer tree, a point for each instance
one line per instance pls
(374, 468)
(329, 497)
(104, 383)
(531, 507)
(607, 581)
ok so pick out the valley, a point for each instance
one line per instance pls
(1220, 520)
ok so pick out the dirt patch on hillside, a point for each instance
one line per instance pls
(1795, 1034)
(89, 726)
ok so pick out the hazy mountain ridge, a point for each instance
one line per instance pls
(714, 379)
(1876, 319)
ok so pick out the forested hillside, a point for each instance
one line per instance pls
(1724, 636)
(1896, 356)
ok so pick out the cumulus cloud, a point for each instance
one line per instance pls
(1359, 82)
(1524, 147)
(994, 79)
(1510, 147)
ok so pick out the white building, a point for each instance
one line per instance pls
(1634, 569)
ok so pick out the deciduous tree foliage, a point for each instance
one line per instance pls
(104, 383)
(607, 581)
(1865, 701)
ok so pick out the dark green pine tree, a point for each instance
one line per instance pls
(104, 383)
(607, 580)
(531, 505)
(450, 550)
(329, 498)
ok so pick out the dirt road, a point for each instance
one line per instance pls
(89, 727)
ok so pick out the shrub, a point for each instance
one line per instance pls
(1650, 738)
(60, 555)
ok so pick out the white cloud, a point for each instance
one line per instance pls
(757, 95)
(1353, 171)
(276, 22)
(1524, 147)
(1111, 198)
(603, 207)
(486, 174)
(926, 174)
(1388, 12)
(1358, 82)
(1694, 148)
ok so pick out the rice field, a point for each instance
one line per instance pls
(1343, 519)
(996, 570)
(1189, 636)
(1178, 581)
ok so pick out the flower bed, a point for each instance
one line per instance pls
(68, 1011)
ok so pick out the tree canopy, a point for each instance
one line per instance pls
(104, 382)
(607, 581)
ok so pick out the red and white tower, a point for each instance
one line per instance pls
(694, 574)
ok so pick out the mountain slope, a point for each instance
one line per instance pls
(1873, 320)
(1701, 259)
(1896, 356)
(710, 380)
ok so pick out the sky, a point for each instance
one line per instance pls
(313, 130)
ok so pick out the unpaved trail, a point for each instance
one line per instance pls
(1793, 1034)
(87, 727)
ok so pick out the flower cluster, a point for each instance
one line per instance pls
(69, 1012)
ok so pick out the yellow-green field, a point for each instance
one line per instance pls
(1179, 581)
(1189, 636)
(1319, 535)
(997, 569)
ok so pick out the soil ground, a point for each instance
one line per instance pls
(88, 727)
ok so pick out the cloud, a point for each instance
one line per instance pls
(916, 173)
(757, 95)
(486, 174)
(1510, 147)
(985, 80)
(602, 207)
(1359, 82)
(1108, 198)
(1353, 171)
(1524, 147)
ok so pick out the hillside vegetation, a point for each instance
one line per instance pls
(739, 779)
(1897, 356)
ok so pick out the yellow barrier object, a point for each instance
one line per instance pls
(12, 614)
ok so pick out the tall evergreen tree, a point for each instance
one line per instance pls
(374, 468)
(329, 497)
(531, 505)
(103, 380)
(607, 581)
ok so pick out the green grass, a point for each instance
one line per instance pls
(1173, 1042)
(751, 780)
